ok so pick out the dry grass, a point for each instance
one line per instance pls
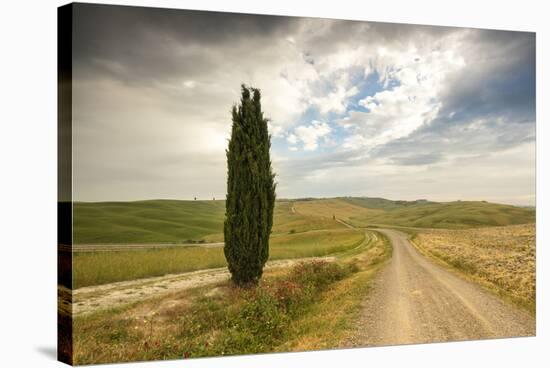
(502, 258)
(95, 268)
(287, 219)
(293, 309)
(329, 325)
(333, 207)
(220, 321)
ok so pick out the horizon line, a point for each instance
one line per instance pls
(214, 198)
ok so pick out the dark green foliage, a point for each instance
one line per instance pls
(250, 191)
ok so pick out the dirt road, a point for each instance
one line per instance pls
(416, 301)
(124, 247)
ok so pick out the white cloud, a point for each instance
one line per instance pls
(292, 138)
(310, 135)
(335, 100)
(419, 78)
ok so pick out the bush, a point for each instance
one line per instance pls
(289, 295)
(253, 320)
(320, 274)
(261, 315)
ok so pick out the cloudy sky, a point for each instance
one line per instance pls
(356, 108)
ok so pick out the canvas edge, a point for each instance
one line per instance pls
(64, 184)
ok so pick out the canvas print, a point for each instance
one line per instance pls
(240, 184)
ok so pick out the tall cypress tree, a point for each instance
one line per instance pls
(250, 191)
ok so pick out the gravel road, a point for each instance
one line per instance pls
(417, 301)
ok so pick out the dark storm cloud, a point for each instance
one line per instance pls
(325, 36)
(500, 82)
(430, 146)
(144, 44)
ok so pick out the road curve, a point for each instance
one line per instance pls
(417, 301)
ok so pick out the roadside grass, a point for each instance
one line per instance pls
(95, 268)
(502, 259)
(314, 244)
(292, 309)
(329, 324)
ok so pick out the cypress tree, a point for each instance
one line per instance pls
(250, 191)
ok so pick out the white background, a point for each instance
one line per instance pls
(28, 108)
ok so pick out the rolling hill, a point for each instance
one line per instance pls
(421, 213)
(175, 221)
(163, 221)
(451, 215)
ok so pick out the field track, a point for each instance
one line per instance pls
(125, 247)
(83, 248)
(91, 299)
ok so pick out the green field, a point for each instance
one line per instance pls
(171, 221)
(302, 228)
(94, 268)
(446, 215)
(155, 221)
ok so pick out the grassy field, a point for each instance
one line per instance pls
(158, 221)
(292, 309)
(446, 215)
(171, 221)
(286, 220)
(302, 228)
(501, 258)
(93, 268)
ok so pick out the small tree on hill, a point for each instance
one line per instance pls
(250, 191)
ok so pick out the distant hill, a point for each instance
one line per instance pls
(422, 213)
(382, 203)
(175, 221)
